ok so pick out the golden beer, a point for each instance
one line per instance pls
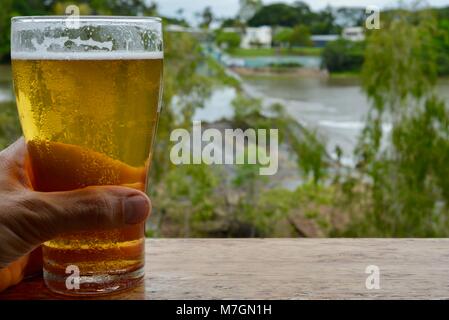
(89, 118)
(90, 122)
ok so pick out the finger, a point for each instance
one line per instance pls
(94, 208)
(13, 160)
(15, 153)
(5, 278)
(13, 273)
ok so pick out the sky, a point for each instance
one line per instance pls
(228, 8)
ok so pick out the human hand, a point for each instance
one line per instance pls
(29, 218)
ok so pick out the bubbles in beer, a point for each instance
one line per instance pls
(89, 120)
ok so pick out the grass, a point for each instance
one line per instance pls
(345, 74)
(264, 52)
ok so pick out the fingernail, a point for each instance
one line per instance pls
(136, 209)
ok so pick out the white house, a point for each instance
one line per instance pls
(260, 37)
(232, 29)
(353, 34)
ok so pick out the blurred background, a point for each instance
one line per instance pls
(362, 114)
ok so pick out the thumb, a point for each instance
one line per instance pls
(35, 217)
(91, 208)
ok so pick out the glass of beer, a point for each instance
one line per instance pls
(88, 92)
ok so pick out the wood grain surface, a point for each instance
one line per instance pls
(282, 269)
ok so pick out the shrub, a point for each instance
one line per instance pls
(230, 39)
(343, 55)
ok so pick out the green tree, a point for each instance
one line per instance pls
(278, 14)
(343, 55)
(408, 194)
(123, 7)
(9, 124)
(281, 14)
(11, 8)
(59, 8)
(207, 17)
(300, 36)
(283, 37)
(441, 40)
(230, 23)
(230, 40)
(350, 16)
(324, 22)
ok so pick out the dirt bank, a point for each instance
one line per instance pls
(303, 72)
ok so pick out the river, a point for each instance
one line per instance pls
(336, 108)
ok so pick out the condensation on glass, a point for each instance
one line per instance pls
(88, 94)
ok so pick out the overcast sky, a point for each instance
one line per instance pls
(228, 8)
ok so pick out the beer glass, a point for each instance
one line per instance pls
(88, 92)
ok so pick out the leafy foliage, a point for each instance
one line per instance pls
(207, 17)
(283, 36)
(396, 190)
(300, 36)
(407, 196)
(343, 55)
(297, 36)
(9, 124)
(285, 15)
(441, 41)
(277, 14)
(230, 40)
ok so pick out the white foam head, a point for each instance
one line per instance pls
(94, 38)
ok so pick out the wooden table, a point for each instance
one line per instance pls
(282, 269)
